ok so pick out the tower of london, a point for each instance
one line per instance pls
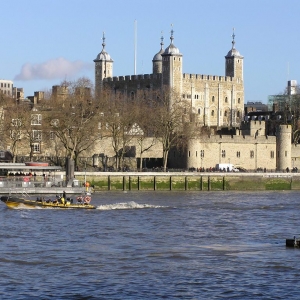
(215, 100)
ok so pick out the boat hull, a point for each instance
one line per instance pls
(14, 202)
(294, 243)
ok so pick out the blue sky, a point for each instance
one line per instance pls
(46, 41)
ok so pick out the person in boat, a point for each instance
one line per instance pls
(65, 195)
(79, 199)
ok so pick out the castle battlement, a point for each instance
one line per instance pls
(236, 139)
(202, 77)
(133, 77)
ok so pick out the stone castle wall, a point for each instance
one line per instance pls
(216, 100)
(246, 151)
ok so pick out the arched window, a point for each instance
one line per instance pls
(213, 99)
(212, 113)
(225, 113)
(238, 114)
(239, 100)
(226, 99)
(199, 111)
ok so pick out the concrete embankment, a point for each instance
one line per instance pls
(105, 181)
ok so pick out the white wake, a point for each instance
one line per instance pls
(126, 205)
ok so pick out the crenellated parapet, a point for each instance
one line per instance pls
(201, 77)
(131, 78)
(238, 139)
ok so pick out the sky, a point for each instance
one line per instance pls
(47, 41)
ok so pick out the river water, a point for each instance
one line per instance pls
(154, 245)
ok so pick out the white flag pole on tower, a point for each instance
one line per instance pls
(135, 38)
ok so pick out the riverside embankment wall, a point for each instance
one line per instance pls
(103, 181)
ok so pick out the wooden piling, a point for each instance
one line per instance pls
(108, 183)
(129, 183)
(139, 183)
(124, 183)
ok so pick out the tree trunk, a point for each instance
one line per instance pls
(141, 162)
(165, 159)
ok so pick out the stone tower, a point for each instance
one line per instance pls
(234, 62)
(157, 59)
(103, 67)
(172, 67)
(283, 147)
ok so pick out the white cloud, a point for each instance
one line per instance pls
(57, 68)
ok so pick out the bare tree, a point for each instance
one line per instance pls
(118, 115)
(169, 112)
(15, 121)
(144, 129)
(73, 119)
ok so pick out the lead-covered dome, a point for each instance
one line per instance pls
(103, 55)
(233, 52)
(172, 49)
(157, 56)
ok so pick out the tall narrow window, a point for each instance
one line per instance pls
(37, 135)
(36, 147)
(36, 119)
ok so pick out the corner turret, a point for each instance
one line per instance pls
(172, 66)
(234, 62)
(103, 67)
(157, 59)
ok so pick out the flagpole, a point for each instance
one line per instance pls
(135, 38)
